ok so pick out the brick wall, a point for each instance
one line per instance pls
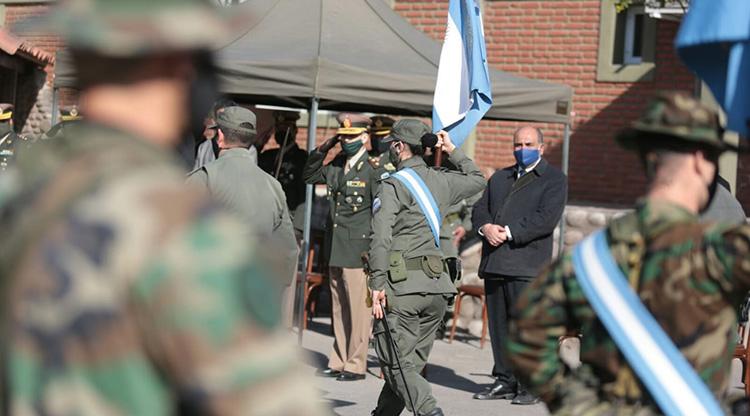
(557, 41)
(15, 13)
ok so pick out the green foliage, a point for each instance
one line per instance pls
(621, 5)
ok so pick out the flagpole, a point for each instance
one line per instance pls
(312, 127)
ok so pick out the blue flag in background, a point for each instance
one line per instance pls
(714, 41)
(463, 92)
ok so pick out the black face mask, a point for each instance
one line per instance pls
(203, 92)
(378, 145)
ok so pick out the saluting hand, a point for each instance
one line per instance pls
(444, 142)
(328, 144)
(378, 303)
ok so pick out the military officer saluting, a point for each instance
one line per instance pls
(379, 155)
(286, 162)
(69, 117)
(408, 274)
(351, 181)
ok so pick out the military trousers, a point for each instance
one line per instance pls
(352, 320)
(413, 320)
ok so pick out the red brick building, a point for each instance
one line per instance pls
(614, 63)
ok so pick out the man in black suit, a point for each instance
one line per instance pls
(516, 217)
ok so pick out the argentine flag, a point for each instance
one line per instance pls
(463, 93)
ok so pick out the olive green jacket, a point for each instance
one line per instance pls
(235, 180)
(350, 196)
(400, 225)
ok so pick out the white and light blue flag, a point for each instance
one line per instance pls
(463, 93)
(714, 41)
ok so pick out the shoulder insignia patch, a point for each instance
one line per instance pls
(376, 205)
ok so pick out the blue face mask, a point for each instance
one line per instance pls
(526, 157)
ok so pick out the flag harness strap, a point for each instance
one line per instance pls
(669, 377)
(424, 198)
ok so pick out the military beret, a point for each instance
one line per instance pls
(6, 111)
(70, 113)
(381, 125)
(408, 131)
(285, 117)
(352, 124)
(232, 118)
(675, 117)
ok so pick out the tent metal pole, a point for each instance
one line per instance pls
(565, 161)
(312, 127)
(55, 105)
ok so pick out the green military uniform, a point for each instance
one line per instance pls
(691, 276)
(351, 181)
(9, 140)
(69, 116)
(124, 292)
(407, 264)
(235, 180)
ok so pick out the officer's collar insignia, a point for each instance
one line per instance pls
(359, 166)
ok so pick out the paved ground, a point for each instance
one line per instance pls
(455, 370)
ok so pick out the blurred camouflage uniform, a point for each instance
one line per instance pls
(691, 276)
(69, 116)
(126, 292)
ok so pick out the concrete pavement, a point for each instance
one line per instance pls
(456, 372)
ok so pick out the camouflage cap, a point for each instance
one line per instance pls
(675, 116)
(352, 124)
(125, 28)
(408, 130)
(381, 125)
(6, 111)
(233, 118)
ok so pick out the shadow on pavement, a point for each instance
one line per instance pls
(335, 404)
(447, 377)
(320, 327)
(315, 358)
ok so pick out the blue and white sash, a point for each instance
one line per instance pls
(672, 381)
(422, 194)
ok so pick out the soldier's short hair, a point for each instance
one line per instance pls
(236, 137)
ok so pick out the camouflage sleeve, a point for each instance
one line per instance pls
(210, 316)
(539, 320)
(733, 258)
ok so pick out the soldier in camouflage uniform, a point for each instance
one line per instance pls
(125, 292)
(9, 140)
(691, 276)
